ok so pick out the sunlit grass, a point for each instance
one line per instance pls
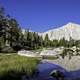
(12, 67)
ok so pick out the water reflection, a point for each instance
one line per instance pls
(44, 70)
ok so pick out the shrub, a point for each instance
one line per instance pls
(17, 47)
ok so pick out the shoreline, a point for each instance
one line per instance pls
(69, 65)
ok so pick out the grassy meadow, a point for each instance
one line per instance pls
(12, 67)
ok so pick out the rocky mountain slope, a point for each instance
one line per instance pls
(66, 31)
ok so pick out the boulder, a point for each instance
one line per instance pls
(57, 74)
(26, 53)
(52, 52)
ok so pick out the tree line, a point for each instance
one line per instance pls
(12, 36)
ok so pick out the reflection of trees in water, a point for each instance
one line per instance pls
(67, 52)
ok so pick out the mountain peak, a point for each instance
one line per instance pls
(71, 25)
(66, 31)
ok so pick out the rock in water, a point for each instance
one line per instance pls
(57, 74)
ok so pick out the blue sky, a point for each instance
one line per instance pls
(42, 15)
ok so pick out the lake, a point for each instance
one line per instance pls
(44, 70)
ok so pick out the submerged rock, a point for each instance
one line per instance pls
(57, 74)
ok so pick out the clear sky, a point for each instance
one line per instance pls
(42, 15)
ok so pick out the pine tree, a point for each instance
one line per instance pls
(55, 43)
(71, 42)
(9, 29)
(46, 41)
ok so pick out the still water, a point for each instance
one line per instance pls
(44, 70)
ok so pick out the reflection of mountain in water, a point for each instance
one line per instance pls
(46, 68)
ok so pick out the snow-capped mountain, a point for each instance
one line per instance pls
(66, 31)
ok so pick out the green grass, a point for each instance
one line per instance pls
(12, 67)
